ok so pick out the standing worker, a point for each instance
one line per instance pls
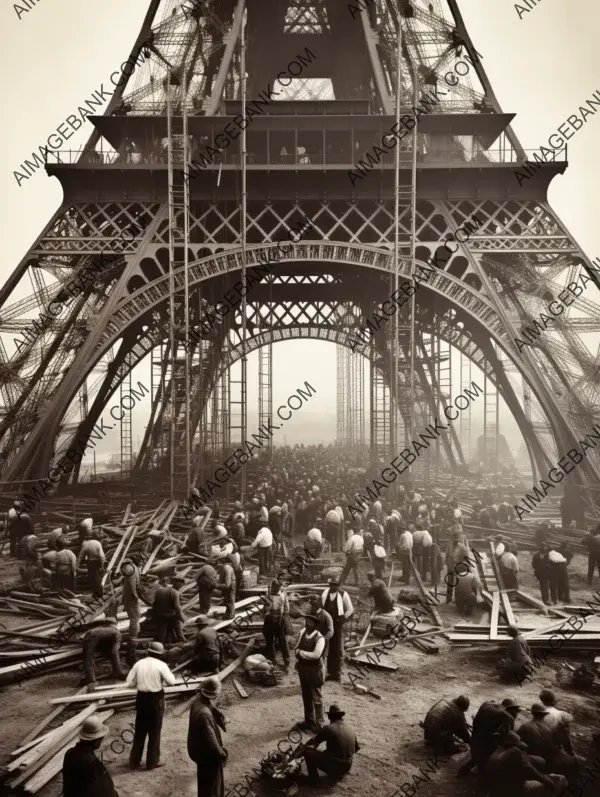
(309, 652)
(204, 741)
(148, 676)
(14, 526)
(354, 551)
(66, 566)
(92, 553)
(132, 594)
(277, 625)
(227, 587)
(263, 542)
(167, 612)
(84, 775)
(207, 581)
(592, 543)
(338, 605)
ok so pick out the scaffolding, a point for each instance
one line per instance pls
(265, 390)
(126, 432)
(179, 321)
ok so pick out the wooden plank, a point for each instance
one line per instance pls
(507, 608)
(546, 629)
(240, 689)
(494, 617)
(432, 609)
(377, 663)
(528, 599)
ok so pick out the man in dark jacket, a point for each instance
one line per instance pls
(511, 771)
(384, 603)
(341, 744)
(489, 724)
(204, 742)
(83, 774)
(167, 612)
(445, 720)
(207, 651)
(104, 637)
(592, 543)
(541, 570)
(542, 740)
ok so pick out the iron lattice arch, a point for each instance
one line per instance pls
(54, 386)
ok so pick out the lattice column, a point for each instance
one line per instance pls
(265, 389)
(126, 433)
(341, 352)
(464, 425)
(380, 417)
(491, 407)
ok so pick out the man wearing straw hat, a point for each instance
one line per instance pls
(204, 741)
(84, 775)
(148, 676)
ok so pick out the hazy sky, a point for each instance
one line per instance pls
(542, 67)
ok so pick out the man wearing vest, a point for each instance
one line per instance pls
(336, 603)
(309, 652)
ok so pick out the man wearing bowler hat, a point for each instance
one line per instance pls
(341, 744)
(338, 605)
(84, 775)
(148, 676)
(204, 741)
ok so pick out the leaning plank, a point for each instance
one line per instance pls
(432, 609)
(546, 629)
(507, 608)
(378, 663)
(494, 618)
(525, 597)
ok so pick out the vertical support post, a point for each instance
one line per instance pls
(172, 222)
(244, 210)
(186, 288)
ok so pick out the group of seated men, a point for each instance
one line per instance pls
(535, 758)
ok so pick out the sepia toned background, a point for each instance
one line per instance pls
(542, 67)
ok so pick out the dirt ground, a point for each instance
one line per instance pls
(392, 748)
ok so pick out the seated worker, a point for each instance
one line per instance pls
(558, 720)
(207, 650)
(105, 638)
(381, 595)
(341, 745)
(490, 722)
(445, 720)
(518, 664)
(546, 742)
(511, 771)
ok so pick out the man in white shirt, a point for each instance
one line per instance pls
(314, 542)
(405, 546)
(92, 553)
(148, 676)
(354, 551)
(309, 651)
(509, 568)
(54, 536)
(263, 542)
(87, 524)
(333, 526)
(556, 719)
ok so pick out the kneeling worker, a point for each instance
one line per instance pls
(384, 602)
(207, 651)
(341, 744)
(445, 720)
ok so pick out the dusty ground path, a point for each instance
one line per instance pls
(391, 740)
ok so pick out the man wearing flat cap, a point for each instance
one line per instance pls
(543, 741)
(309, 652)
(148, 676)
(204, 741)
(84, 775)
(341, 745)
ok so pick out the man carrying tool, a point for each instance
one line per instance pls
(148, 676)
(338, 605)
(341, 745)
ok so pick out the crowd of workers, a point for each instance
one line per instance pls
(304, 496)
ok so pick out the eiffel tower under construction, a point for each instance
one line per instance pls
(367, 137)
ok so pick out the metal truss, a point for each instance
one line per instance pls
(55, 382)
